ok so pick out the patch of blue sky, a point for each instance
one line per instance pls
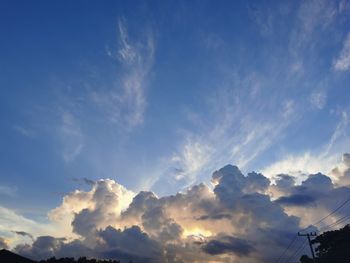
(158, 95)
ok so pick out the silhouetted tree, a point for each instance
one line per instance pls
(333, 246)
(306, 259)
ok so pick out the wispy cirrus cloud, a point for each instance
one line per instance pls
(318, 99)
(231, 133)
(125, 103)
(238, 125)
(119, 102)
(24, 131)
(301, 165)
(309, 162)
(71, 136)
(8, 190)
(342, 62)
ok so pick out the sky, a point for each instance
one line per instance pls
(130, 108)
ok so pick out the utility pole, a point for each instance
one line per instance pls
(308, 235)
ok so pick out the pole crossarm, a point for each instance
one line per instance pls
(308, 235)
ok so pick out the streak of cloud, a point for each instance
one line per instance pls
(125, 104)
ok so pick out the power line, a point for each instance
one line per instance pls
(332, 213)
(284, 252)
(300, 248)
(297, 254)
(337, 222)
(316, 223)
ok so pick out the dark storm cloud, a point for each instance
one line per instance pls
(314, 188)
(228, 244)
(43, 247)
(215, 217)
(285, 182)
(296, 200)
(129, 244)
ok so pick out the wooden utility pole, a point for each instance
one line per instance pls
(308, 235)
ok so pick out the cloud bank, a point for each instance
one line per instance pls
(244, 218)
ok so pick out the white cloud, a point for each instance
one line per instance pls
(344, 5)
(341, 172)
(342, 63)
(8, 190)
(236, 220)
(288, 108)
(313, 18)
(312, 162)
(192, 159)
(106, 197)
(3, 243)
(24, 131)
(301, 165)
(12, 222)
(262, 18)
(231, 138)
(71, 136)
(339, 132)
(313, 15)
(125, 103)
(318, 99)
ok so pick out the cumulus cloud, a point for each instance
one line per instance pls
(82, 212)
(23, 233)
(3, 243)
(342, 171)
(131, 243)
(301, 165)
(245, 218)
(316, 195)
(228, 244)
(16, 228)
(48, 246)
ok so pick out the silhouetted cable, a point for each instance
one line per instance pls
(316, 223)
(339, 221)
(296, 253)
(284, 252)
(331, 213)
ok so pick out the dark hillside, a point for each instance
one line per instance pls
(9, 257)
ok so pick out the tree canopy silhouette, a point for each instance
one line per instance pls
(333, 246)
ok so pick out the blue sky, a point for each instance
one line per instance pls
(159, 94)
